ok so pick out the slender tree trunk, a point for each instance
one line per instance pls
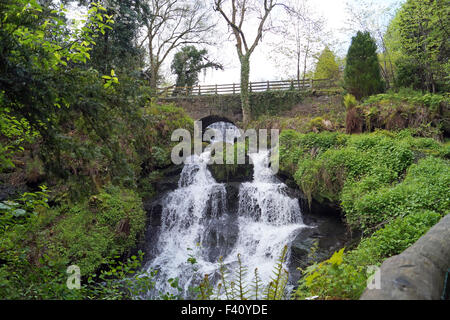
(153, 64)
(245, 99)
(304, 63)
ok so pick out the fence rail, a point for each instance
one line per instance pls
(235, 88)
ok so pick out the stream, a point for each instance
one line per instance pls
(202, 220)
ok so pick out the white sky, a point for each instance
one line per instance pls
(262, 67)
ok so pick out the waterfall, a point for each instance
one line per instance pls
(197, 222)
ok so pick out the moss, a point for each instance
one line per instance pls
(425, 113)
(233, 171)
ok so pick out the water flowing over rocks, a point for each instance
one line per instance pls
(205, 220)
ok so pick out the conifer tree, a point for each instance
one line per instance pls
(362, 74)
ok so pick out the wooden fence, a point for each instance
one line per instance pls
(235, 88)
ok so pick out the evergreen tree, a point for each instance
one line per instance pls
(187, 64)
(326, 67)
(118, 48)
(362, 74)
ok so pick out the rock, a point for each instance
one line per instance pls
(325, 230)
(220, 236)
(231, 172)
(418, 272)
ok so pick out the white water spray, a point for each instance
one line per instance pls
(195, 216)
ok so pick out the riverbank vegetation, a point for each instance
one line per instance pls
(390, 186)
(84, 140)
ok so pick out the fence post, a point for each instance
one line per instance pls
(234, 88)
(268, 85)
(250, 87)
(199, 90)
(216, 88)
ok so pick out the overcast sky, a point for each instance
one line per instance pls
(262, 67)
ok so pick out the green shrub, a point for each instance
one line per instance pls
(425, 187)
(325, 176)
(344, 276)
(294, 146)
(86, 234)
(394, 238)
(350, 101)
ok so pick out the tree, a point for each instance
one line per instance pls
(326, 67)
(240, 11)
(424, 30)
(187, 64)
(301, 34)
(118, 47)
(371, 16)
(40, 57)
(362, 72)
(169, 24)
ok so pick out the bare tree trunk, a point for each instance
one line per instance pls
(305, 60)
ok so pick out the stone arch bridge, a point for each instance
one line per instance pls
(215, 103)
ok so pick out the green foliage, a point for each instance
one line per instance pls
(394, 238)
(18, 211)
(113, 220)
(408, 74)
(425, 187)
(324, 176)
(239, 289)
(174, 283)
(366, 173)
(273, 102)
(37, 253)
(344, 275)
(429, 100)
(15, 134)
(188, 63)
(38, 51)
(276, 289)
(324, 280)
(294, 146)
(326, 67)
(423, 37)
(118, 48)
(350, 101)
(119, 280)
(362, 71)
(423, 113)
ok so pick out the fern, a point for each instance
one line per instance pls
(206, 289)
(238, 289)
(241, 286)
(257, 284)
(223, 273)
(277, 286)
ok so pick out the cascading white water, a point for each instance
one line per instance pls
(195, 216)
(268, 220)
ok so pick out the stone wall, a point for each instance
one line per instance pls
(417, 273)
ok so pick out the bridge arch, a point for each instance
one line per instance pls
(209, 120)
